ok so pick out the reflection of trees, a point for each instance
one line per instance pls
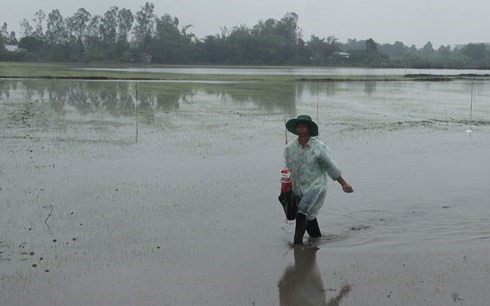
(5, 87)
(318, 88)
(123, 99)
(271, 97)
(114, 98)
(369, 87)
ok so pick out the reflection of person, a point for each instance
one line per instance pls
(310, 161)
(302, 285)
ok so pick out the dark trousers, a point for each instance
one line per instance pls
(302, 225)
(313, 229)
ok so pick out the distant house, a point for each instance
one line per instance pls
(342, 54)
(13, 48)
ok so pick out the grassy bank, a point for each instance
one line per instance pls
(77, 71)
(83, 71)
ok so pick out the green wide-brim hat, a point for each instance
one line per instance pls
(291, 124)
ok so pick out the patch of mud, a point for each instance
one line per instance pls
(359, 227)
(445, 78)
(400, 125)
(22, 117)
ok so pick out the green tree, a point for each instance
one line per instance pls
(3, 52)
(371, 46)
(125, 20)
(144, 28)
(26, 28)
(93, 35)
(4, 30)
(276, 41)
(354, 44)
(287, 28)
(56, 29)
(94, 48)
(40, 16)
(109, 25)
(167, 35)
(321, 51)
(396, 50)
(33, 44)
(477, 53)
(441, 58)
(78, 23)
(240, 46)
(428, 50)
(12, 39)
(9, 39)
(74, 47)
(211, 50)
(125, 23)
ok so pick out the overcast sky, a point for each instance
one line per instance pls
(442, 22)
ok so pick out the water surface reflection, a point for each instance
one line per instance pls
(123, 98)
(380, 102)
(78, 193)
(302, 284)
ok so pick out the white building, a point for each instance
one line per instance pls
(13, 48)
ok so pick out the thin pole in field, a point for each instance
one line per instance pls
(317, 100)
(471, 102)
(470, 130)
(285, 131)
(136, 110)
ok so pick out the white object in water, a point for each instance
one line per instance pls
(469, 131)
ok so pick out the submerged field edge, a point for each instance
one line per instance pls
(431, 78)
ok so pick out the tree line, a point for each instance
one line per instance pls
(119, 35)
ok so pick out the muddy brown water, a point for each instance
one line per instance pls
(121, 193)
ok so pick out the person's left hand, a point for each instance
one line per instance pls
(347, 188)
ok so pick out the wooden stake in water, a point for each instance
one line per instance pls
(470, 130)
(317, 100)
(285, 131)
(136, 110)
(317, 105)
(471, 103)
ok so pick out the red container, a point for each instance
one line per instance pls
(285, 179)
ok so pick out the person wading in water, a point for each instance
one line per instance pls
(310, 161)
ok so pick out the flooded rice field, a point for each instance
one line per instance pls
(147, 193)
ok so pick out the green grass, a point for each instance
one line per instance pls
(72, 71)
